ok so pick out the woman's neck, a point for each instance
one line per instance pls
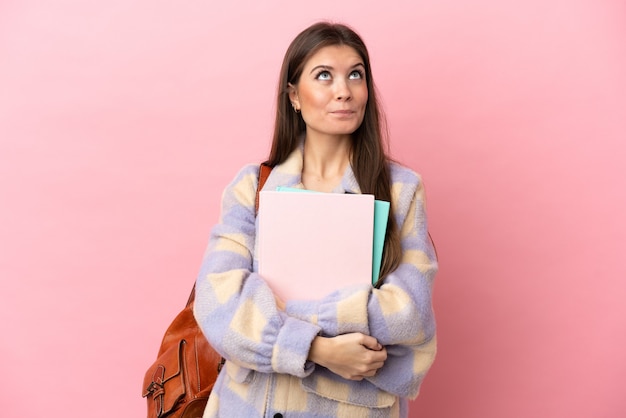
(325, 161)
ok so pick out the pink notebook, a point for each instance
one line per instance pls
(311, 244)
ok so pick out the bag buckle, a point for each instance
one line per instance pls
(156, 389)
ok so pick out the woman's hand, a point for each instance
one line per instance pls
(351, 356)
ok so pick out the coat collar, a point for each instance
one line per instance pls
(289, 174)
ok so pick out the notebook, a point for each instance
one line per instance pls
(311, 244)
(381, 218)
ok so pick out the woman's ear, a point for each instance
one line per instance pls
(293, 96)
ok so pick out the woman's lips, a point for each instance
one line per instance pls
(343, 112)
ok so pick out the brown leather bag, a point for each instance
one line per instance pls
(179, 382)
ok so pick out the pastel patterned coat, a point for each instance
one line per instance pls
(267, 373)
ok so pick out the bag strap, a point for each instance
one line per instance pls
(264, 171)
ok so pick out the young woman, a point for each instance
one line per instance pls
(358, 352)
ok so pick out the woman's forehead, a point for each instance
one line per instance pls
(334, 56)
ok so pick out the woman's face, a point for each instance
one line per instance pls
(332, 91)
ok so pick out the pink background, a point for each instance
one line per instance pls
(121, 122)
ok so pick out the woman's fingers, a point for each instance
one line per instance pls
(351, 356)
(371, 343)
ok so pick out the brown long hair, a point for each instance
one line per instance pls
(370, 162)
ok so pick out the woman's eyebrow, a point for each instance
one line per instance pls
(330, 68)
(321, 67)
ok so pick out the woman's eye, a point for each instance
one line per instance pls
(355, 75)
(323, 75)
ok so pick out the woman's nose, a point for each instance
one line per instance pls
(342, 90)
